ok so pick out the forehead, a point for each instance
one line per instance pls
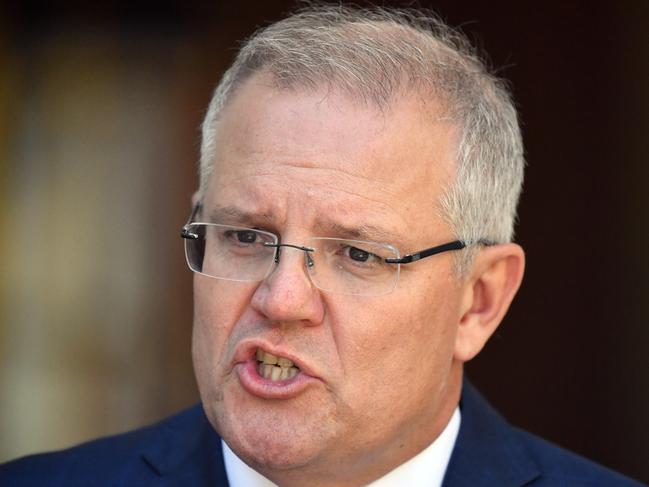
(324, 157)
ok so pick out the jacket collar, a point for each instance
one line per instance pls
(487, 451)
(186, 447)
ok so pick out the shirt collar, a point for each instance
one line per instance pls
(427, 468)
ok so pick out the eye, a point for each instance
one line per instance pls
(242, 238)
(358, 255)
(246, 236)
(362, 257)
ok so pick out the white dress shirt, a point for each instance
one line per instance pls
(426, 469)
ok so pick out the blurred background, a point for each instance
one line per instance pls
(100, 105)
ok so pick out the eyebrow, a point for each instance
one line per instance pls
(232, 215)
(361, 232)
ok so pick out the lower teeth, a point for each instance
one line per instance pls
(273, 372)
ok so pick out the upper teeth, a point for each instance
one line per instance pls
(274, 367)
(269, 358)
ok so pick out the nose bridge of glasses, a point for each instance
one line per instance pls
(278, 248)
(287, 271)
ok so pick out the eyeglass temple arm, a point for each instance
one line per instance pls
(184, 231)
(455, 245)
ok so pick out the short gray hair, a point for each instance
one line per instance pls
(376, 54)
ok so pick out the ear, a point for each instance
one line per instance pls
(495, 277)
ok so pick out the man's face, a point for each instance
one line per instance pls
(377, 380)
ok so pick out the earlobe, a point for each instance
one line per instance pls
(496, 276)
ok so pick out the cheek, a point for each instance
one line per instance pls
(218, 306)
(394, 327)
(403, 341)
(396, 360)
(210, 317)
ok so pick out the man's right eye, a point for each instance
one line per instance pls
(246, 236)
(237, 237)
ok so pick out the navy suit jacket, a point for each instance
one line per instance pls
(184, 450)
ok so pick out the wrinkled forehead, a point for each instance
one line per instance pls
(264, 116)
(332, 149)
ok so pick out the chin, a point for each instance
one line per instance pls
(277, 457)
(277, 446)
(278, 435)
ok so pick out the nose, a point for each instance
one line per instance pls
(287, 294)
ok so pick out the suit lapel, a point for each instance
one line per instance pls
(187, 451)
(487, 451)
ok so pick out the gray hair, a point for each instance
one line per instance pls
(377, 54)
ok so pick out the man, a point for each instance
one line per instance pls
(351, 243)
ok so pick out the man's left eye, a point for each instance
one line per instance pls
(358, 255)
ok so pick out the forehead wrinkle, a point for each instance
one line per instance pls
(268, 173)
(267, 163)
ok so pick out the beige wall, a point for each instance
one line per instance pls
(97, 170)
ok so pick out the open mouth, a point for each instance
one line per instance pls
(272, 367)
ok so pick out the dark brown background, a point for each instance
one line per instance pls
(568, 363)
